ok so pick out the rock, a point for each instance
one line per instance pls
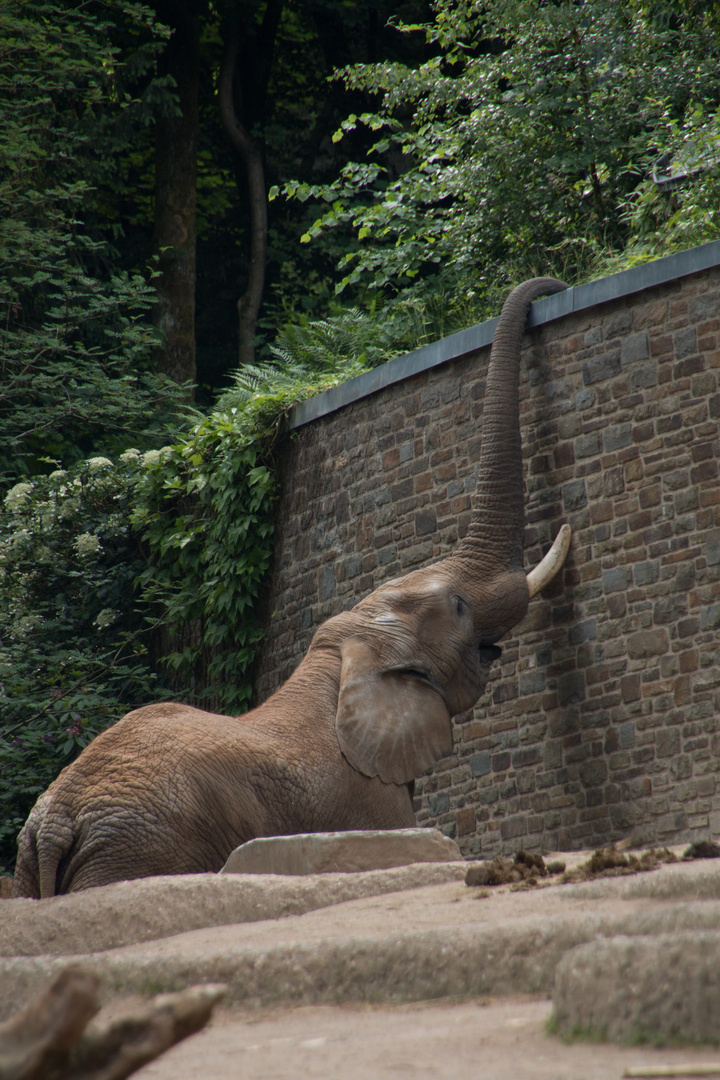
(478, 874)
(415, 944)
(341, 852)
(647, 643)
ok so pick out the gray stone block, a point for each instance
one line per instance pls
(148, 909)
(574, 495)
(532, 682)
(710, 617)
(646, 573)
(626, 735)
(685, 342)
(646, 643)
(644, 375)
(571, 688)
(341, 852)
(480, 764)
(439, 804)
(588, 445)
(712, 547)
(601, 367)
(702, 307)
(634, 347)
(582, 631)
(616, 579)
(328, 585)
(614, 438)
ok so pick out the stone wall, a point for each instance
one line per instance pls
(601, 719)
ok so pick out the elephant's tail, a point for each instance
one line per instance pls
(44, 840)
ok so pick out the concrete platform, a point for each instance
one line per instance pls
(392, 937)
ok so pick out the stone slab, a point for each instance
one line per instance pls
(341, 852)
(150, 908)
(636, 989)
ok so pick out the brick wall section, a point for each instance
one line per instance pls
(601, 721)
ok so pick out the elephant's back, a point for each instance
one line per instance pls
(156, 739)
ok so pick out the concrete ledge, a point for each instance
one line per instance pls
(641, 989)
(549, 308)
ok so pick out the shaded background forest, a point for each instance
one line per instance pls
(209, 211)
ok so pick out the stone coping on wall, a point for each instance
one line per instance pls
(545, 310)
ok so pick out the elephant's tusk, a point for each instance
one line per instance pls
(546, 570)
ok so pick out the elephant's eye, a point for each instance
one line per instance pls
(460, 605)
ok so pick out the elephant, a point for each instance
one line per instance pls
(171, 789)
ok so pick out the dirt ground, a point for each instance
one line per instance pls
(482, 1039)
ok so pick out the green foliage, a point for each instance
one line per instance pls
(683, 208)
(205, 512)
(355, 339)
(76, 373)
(204, 508)
(525, 144)
(73, 657)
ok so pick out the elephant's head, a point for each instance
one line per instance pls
(418, 650)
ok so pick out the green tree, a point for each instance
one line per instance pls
(525, 143)
(76, 373)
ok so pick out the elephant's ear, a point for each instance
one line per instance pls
(389, 723)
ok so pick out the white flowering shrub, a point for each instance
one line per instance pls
(72, 626)
(17, 497)
(87, 544)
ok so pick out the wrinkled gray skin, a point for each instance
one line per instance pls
(171, 789)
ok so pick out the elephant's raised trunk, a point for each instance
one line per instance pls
(493, 547)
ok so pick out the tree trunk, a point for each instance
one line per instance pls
(250, 151)
(176, 143)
